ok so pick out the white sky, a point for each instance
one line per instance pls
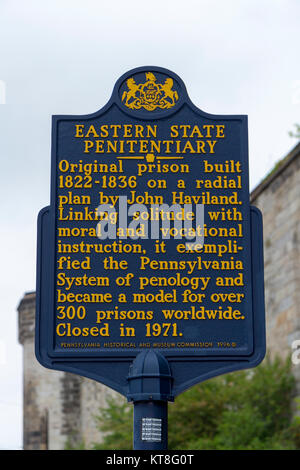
(63, 57)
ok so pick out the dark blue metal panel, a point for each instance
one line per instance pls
(191, 364)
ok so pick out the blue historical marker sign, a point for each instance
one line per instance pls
(150, 242)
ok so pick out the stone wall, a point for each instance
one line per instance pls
(278, 197)
(59, 408)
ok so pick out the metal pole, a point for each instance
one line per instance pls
(150, 389)
(150, 425)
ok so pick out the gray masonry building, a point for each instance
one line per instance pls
(61, 407)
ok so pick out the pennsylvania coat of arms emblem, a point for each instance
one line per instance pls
(150, 95)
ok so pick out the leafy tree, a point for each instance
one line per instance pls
(242, 410)
(116, 421)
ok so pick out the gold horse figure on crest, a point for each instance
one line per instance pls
(150, 95)
(133, 88)
(169, 93)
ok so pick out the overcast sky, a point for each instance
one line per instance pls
(63, 57)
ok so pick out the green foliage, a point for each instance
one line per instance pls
(116, 421)
(296, 133)
(72, 444)
(242, 410)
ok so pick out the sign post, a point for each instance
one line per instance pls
(150, 257)
(150, 389)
